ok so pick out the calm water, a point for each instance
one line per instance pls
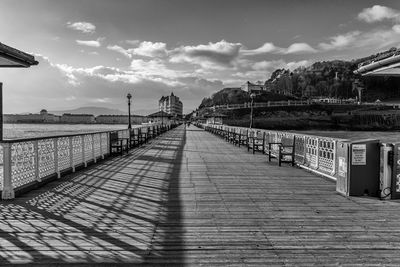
(21, 130)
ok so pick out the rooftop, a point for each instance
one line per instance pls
(14, 58)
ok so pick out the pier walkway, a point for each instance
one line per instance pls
(190, 198)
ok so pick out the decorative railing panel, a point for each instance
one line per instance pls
(64, 156)
(46, 155)
(77, 150)
(24, 163)
(96, 145)
(300, 149)
(315, 152)
(311, 151)
(88, 140)
(104, 143)
(326, 155)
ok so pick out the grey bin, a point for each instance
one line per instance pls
(358, 167)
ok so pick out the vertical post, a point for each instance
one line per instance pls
(36, 158)
(101, 146)
(129, 96)
(317, 156)
(56, 165)
(83, 151)
(8, 190)
(93, 154)
(334, 157)
(71, 153)
(1, 111)
(251, 114)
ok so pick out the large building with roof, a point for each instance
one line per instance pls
(252, 88)
(171, 105)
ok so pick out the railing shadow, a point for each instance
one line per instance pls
(125, 210)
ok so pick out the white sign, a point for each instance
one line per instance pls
(359, 154)
(342, 167)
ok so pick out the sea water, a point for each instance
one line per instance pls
(29, 130)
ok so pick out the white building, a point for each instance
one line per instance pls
(171, 105)
(253, 88)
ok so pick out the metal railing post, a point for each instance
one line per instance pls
(317, 155)
(36, 159)
(8, 190)
(93, 154)
(56, 158)
(71, 153)
(83, 151)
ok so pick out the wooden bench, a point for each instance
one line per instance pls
(117, 144)
(134, 139)
(231, 135)
(243, 137)
(144, 135)
(285, 152)
(256, 141)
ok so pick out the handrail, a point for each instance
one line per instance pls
(29, 161)
(312, 151)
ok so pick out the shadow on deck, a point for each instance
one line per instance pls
(124, 210)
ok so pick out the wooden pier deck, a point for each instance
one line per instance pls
(190, 198)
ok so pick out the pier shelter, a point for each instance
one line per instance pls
(12, 58)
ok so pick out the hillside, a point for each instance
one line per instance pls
(333, 78)
(91, 110)
(238, 96)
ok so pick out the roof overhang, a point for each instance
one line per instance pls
(385, 67)
(14, 58)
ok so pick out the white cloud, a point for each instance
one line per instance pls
(340, 41)
(296, 48)
(132, 42)
(376, 39)
(217, 55)
(265, 48)
(150, 49)
(261, 70)
(299, 48)
(85, 27)
(295, 64)
(91, 43)
(396, 28)
(147, 49)
(120, 49)
(102, 100)
(268, 65)
(378, 13)
(64, 86)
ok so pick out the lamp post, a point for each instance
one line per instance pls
(129, 96)
(252, 96)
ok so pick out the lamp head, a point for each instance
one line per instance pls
(129, 96)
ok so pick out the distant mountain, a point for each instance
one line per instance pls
(91, 110)
(103, 111)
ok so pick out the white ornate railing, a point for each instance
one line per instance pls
(315, 152)
(27, 161)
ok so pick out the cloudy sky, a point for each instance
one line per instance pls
(93, 52)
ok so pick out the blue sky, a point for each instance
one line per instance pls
(93, 52)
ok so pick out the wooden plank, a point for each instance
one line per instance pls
(190, 198)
